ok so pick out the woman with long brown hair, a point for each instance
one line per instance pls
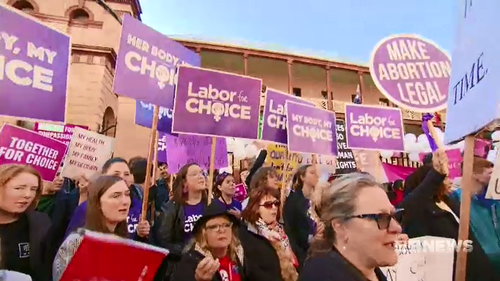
(300, 223)
(22, 230)
(263, 177)
(180, 214)
(108, 206)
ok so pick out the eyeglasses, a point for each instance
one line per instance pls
(270, 204)
(219, 227)
(383, 219)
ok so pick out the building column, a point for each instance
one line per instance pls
(198, 50)
(361, 86)
(329, 95)
(245, 64)
(290, 77)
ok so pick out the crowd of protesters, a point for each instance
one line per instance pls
(341, 230)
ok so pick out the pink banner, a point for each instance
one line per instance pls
(58, 132)
(479, 145)
(455, 160)
(396, 172)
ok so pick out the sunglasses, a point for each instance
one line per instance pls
(383, 219)
(270, 204)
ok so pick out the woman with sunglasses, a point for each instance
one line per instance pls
(264, 240)
(224, 193)
(360, 232)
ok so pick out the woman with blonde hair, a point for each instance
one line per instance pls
(108, 207)
(22, 230)
(360, 232)
(215, 252)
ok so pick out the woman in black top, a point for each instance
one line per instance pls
(22, 230)
(300, 223)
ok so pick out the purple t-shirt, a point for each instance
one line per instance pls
(235, 204)
(79, 216)
(191, 215)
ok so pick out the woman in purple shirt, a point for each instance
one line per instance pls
(224, 190)
(136, 229)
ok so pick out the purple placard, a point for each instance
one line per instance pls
(62, 133)
(185, 149)
(274, 124)
(311, 130)
(374, 127)
(162, 147)
(144, 116)
(22, 146)
(33, 68)
(213, 103)
(412, 72)
(146, 63)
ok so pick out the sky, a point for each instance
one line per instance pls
(347, 29)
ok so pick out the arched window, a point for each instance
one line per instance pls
(79, 14)
(24, 6)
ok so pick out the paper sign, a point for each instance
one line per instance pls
(185, 149)
(87, 153)
(56, 131)
(425, 258)
(22, 146)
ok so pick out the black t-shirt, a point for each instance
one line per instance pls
(16, 245)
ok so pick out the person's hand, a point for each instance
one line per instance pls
(440, 161)
(206, 269)
(143, 228)
(57, 183)
(235, 213)
(83, 183)
(260, 144)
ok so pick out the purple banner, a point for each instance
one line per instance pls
(146, 63)
(62, 133)
(33, 68)
(274, 125)
(412, 72)
(311, 130)
(214, 103)
(186, 149)
(22, 146)
(374, 127)
(162, 147)
(144, 116)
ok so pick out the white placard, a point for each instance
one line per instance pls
(419, 263)
(474, 95)
(87, 153)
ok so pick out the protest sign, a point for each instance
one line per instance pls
(34, 61)
(311, 130)
(87, 153)
(374, 127)
(424, 258)
(144, 116)
(213, 103)
(162, 148)
(58, 132)
(146, 63)
(412, 72)
(474, 93)
(102, 256)
(274, 125)
(22, 146)
(346, 162)
(185, 149)
(455, 160)
(368, 161)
